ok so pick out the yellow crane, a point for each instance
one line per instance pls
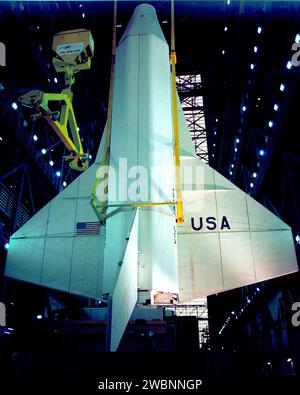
(72, 52)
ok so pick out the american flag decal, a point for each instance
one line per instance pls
(87, 228)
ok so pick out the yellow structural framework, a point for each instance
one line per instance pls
(173, 61)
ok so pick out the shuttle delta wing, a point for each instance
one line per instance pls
(62, 245)
(227, 240)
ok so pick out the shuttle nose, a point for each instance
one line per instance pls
(143, 21)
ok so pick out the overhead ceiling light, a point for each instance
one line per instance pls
(225, 29)
(276, 107)
(244, 108)
(297, 238)
(1, 139)
(254, 175)
(259, 29)
(223, 52)
(6, 246)
(35, 137)
(282, 87)
(270, 124)
(255, 48)
(251, 185)
(164, 21)
(14, 105)
(55, 80)
(252, 66)
(58, 174)
(289, 65)
(235, 150)
(230, 172)
(83, 15)
(39, 317)
(64, 184)
(90, 156)
(261, 152)
(51, 163)
(232, 165)
(43, 151)
(228, 2)
(237, 140)
(297, 38)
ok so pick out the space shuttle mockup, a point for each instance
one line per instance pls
(141, 255)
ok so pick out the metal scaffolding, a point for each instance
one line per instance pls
(189, 87)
